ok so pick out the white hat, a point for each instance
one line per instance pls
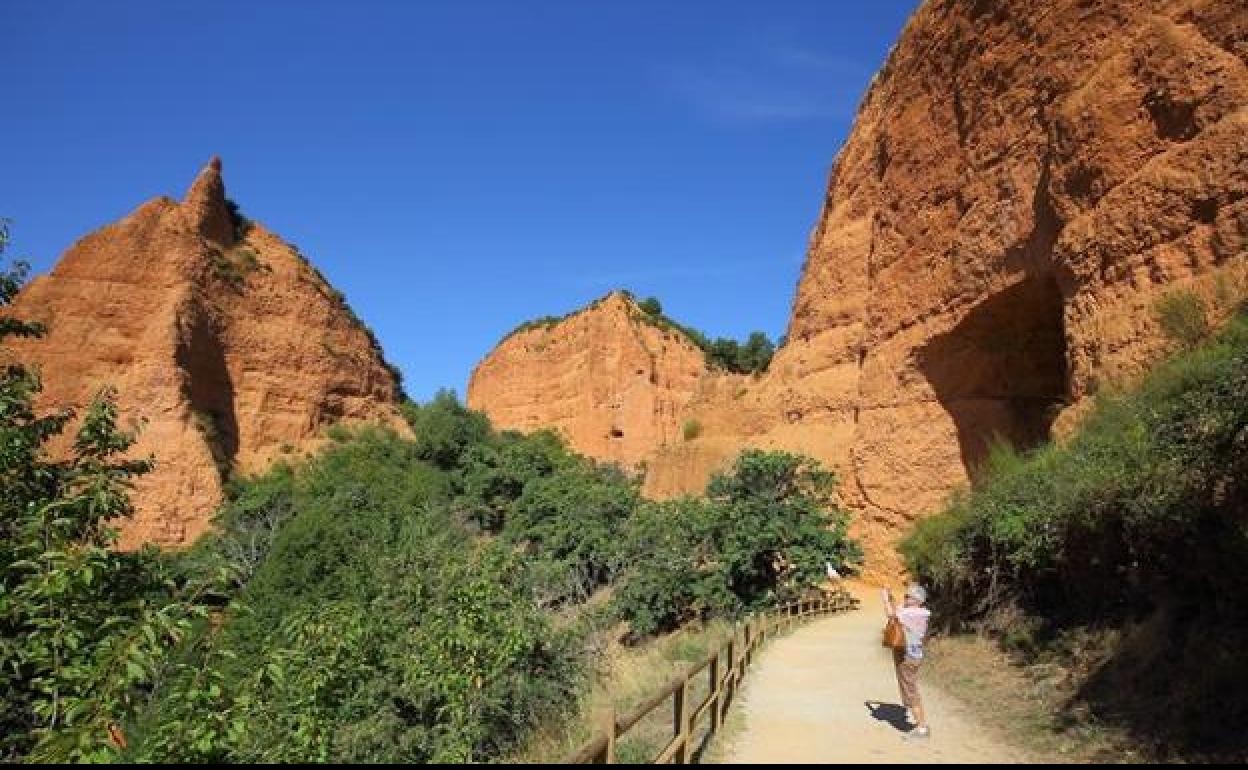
(917, 592)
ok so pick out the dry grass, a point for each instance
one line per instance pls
(1028, 706)
(624, 677)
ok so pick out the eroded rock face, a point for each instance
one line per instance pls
(230, 348)
(1023, 182)
(611, 383)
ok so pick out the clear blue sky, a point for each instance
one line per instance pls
(455, 167)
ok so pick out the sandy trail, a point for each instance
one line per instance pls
(806, 700)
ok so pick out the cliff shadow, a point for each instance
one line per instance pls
(210, 390)
(1001, 373)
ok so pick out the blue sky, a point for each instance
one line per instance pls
(455, 167)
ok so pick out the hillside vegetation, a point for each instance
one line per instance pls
(1120, 553)
(433, 600)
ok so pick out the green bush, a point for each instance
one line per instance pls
(445, 430)
(691, 430)
(763, 535)
(367, 624)
(428, 600)
(571, 522)
(674, 573)
(1184, 317)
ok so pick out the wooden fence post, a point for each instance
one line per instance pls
(680, 722)
(748, 648)
(717, 694)
(608, 724)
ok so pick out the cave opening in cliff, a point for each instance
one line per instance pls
(1002, 372)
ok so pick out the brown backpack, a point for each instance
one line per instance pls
(894, 635)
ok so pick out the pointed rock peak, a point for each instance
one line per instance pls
(205, 202)
(207, 185)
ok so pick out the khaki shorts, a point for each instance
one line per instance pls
(908, 679)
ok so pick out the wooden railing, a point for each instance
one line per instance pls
(725, 669)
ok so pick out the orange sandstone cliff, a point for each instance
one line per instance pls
(221, 339)
(1023, 182)
(614, 385)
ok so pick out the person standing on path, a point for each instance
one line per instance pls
(913, 617)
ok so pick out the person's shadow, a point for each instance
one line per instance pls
(892, 713)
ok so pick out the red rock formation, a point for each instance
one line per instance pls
(613, 384)
(1023, 182)
(230, 348)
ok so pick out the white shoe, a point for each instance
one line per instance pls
(918, 734)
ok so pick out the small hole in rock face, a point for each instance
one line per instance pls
(1173, 119)
(617, 433)
(1205, 211)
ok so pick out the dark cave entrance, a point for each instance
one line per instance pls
(1002, 373)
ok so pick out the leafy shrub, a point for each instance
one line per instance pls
(1184, 317)
(691, 429)
(371, 626)
(763, 535)
(445, 430)
(429, 600)
(572, 521)
(674, 573)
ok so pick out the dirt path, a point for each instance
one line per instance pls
(811, 695)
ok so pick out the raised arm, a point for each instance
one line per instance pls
(889, 609)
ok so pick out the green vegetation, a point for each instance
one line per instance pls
(233, 266)
(760, 536)
(82, 627)
(691, 429)
(752, 357)
(443, 598)
(1124, 545)
(1184, 317)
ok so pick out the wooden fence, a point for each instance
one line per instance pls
(725, 669)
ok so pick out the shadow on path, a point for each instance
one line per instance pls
(892, 713)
